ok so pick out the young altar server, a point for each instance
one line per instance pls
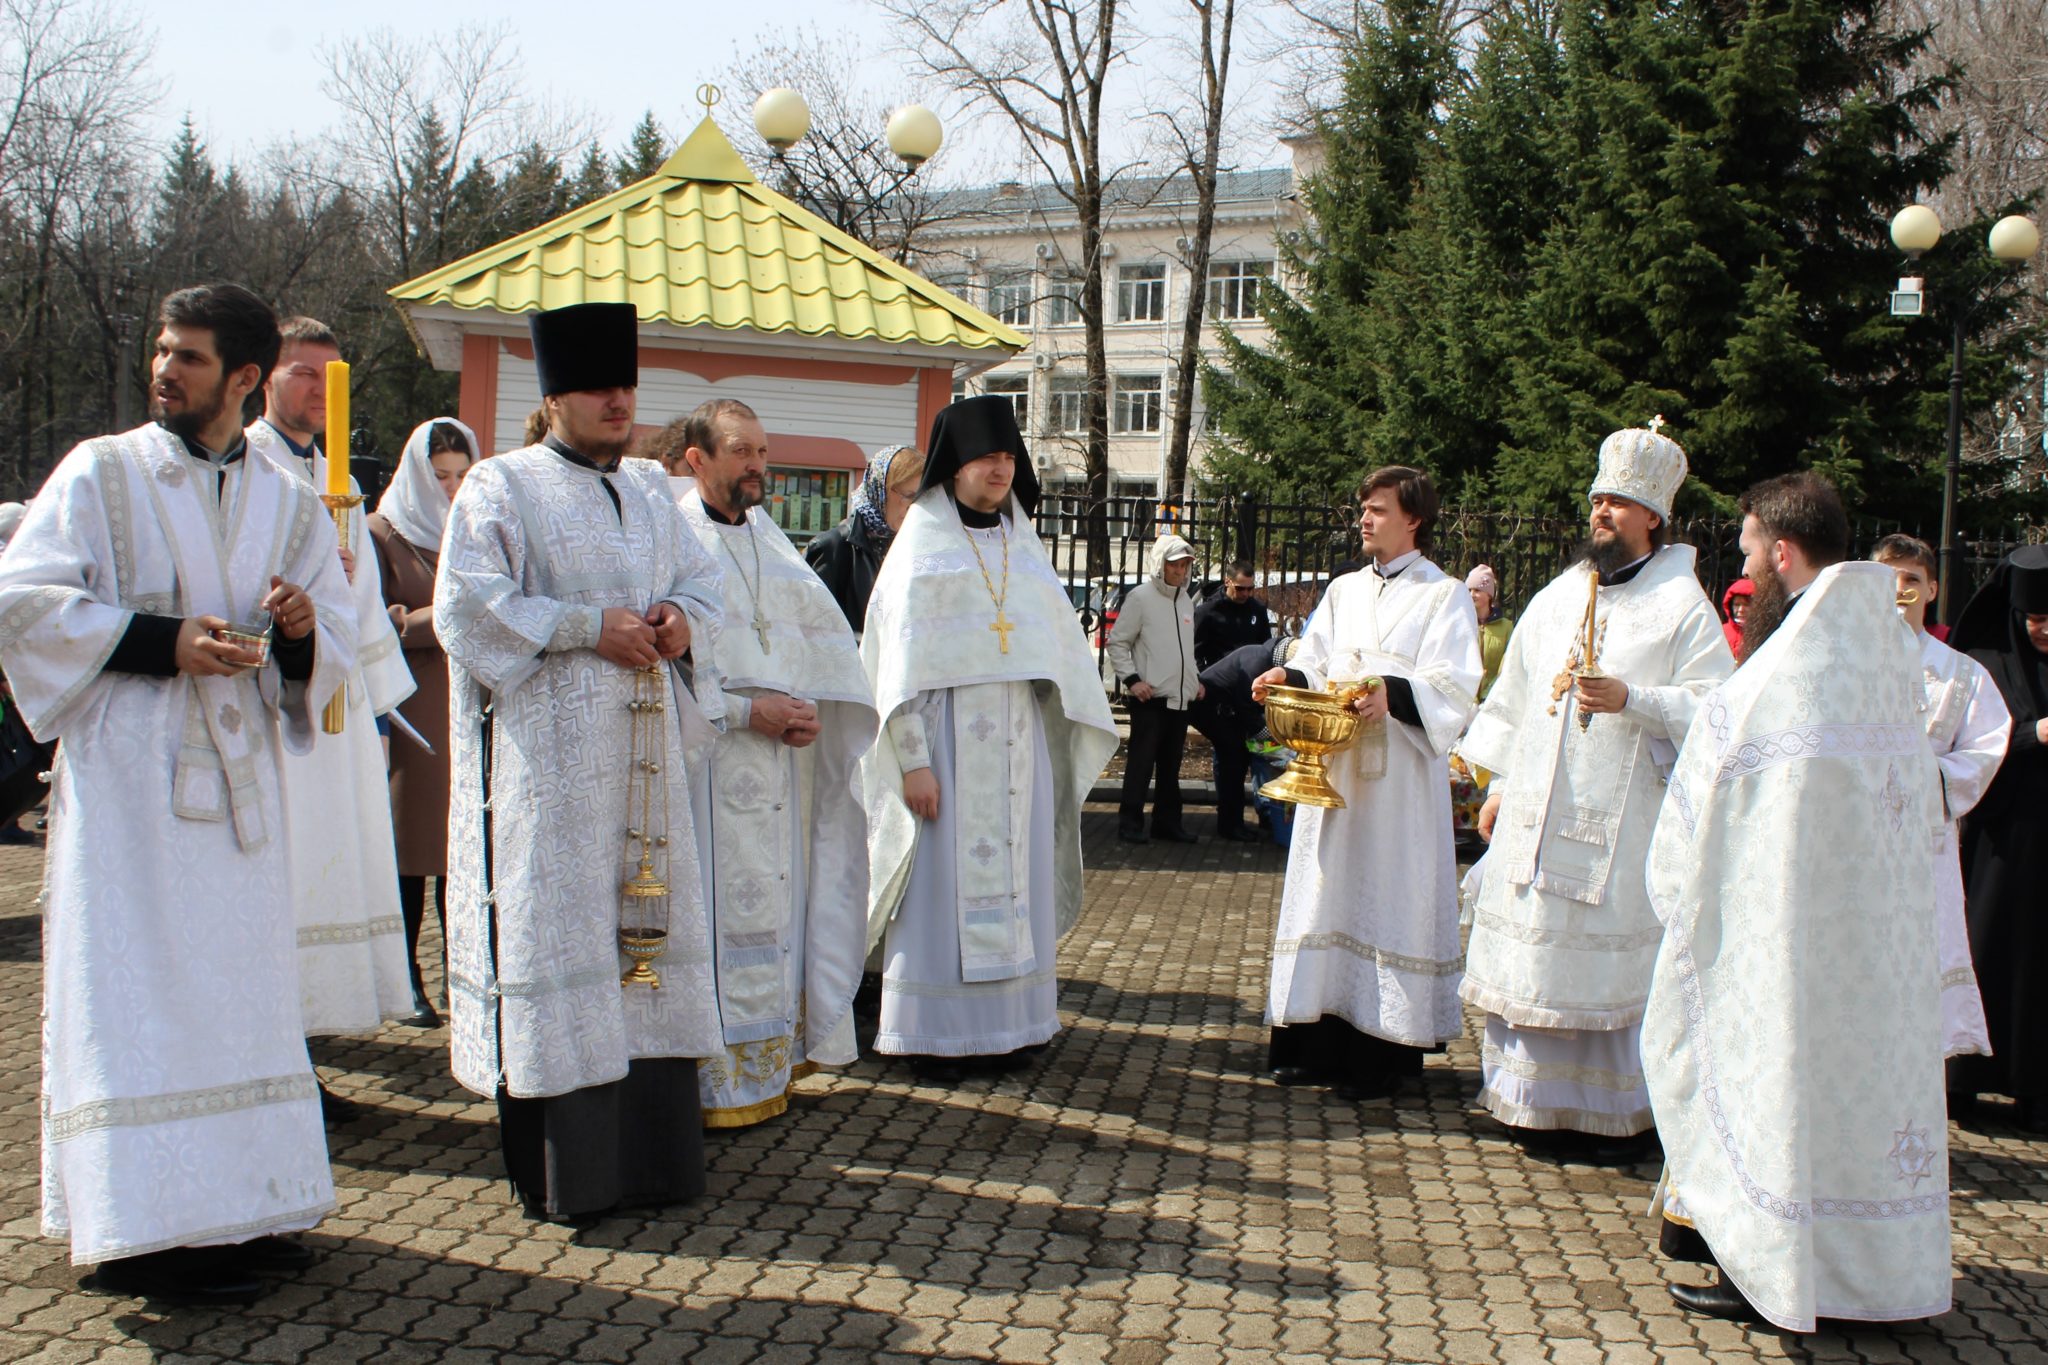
(1365, 961)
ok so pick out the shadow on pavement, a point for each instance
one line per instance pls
(409, 1307)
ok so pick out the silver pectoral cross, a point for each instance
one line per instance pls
(761, 633)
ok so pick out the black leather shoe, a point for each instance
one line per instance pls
(1352, 1092)
(938, 1070)
(1717, 1300)
(194, 1277)
(1294, 1075)
(1132, 836)
(423, 1015)
(1176, 836)
(1628, 1151)
(1240, 835)
(334, 1109)
(275, 1255)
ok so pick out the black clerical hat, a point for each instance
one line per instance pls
(972, 428)
(2017, 588)
(586, 346)
(2028, 589)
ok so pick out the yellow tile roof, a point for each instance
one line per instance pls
(702, 243)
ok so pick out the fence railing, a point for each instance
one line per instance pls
(1294, 548)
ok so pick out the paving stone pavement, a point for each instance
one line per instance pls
(1139, 1198)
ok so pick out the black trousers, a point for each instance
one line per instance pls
(1226, 735)
(1682, 1243)
(1339, 1054)
(1159, 736)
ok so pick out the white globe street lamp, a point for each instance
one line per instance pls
(781, 118)
(915, 134)
(2013, 240)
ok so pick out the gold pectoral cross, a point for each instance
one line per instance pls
(1002, 627)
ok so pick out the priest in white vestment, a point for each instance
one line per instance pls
(180, 1120)
(995, 728)
(782, 835)
(1563, 938)
(1969, 726)
(353, 973)
(1793, 1037)
(1365, 962)
(565, 574)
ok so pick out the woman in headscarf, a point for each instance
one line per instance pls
(1494, 628)
(406, 531)
(1734, 607)
(2004, 853)
(848, 556)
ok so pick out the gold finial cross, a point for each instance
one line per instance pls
(1655, 424)
(709, 95)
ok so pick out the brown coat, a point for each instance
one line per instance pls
(419, 780)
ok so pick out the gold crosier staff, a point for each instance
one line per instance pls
(643, 899)
(341, 500)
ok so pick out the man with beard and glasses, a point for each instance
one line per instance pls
(1562, 937)
(780, 824)
(1793, 1038)
(151, 620)
(568, 583)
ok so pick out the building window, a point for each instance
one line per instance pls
(804, 502)
(1236, 289)
(1009, 297)
(1141, 293)
(1065, 412)
(959, 386)
(1138, 405)
(1016, 388)
(1062, 301)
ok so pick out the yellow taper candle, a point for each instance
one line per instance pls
(336, 444)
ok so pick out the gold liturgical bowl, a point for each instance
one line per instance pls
(1315, 725)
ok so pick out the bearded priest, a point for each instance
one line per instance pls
(1562, 937)
(995, 728)
(780, 828)
(1365, 964)
(567, 585)
(1793, 1036)
(150, 622)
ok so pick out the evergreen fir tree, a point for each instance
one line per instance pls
(1293, 419)
(646, 148)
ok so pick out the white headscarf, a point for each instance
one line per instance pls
(414, 503)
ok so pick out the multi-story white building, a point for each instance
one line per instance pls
(1012, 250)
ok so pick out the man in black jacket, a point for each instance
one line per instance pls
(1232, 619)
(1229, 717)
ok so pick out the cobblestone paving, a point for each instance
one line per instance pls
(1139, 1198)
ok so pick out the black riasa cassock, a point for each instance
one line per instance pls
(2005, 841)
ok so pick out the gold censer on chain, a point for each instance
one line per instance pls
(644, 897)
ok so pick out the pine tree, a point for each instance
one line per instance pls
(1722, 256)
(646, 148)
(1293, 420)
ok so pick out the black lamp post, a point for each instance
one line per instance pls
(1915, 230)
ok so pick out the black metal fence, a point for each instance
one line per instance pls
(1294, 548)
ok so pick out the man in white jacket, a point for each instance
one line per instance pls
(1152, 650)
